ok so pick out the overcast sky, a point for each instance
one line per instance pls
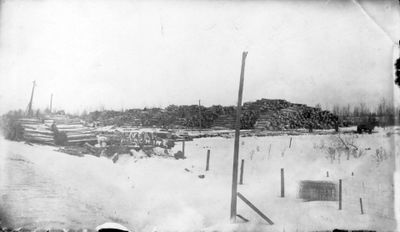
(130, 54)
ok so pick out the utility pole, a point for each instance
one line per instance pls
(236, 148)
(30, 102)
(51, 103)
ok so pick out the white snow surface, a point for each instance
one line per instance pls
(43, 188)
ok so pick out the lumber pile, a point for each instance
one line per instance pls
(271, 114)
(281, 115)
(33, 130)
(69, 131)
(52, 130)
(224, 121)
(76, 133)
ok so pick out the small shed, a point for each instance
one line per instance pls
(312, 190)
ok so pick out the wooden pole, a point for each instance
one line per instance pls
(340, 194)
(241, 172)
(236, 146)
(208, 160)
(327, 174)
(269, 150)
(254, 208)
(31, 100)
(282, 182)
(183, 147)
(361, 206)
(290, 143)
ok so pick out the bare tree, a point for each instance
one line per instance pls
(397, 70)
(336, 109)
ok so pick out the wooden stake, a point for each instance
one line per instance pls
(208, 160)
(236, 146)
(183, 147)
(327, 174)
(254, 208)
(241, 172)
(361, 206)
(282, 182)
(290, 143)
(340, 194)
(269, 150)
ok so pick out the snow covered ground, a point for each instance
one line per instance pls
(42, 188)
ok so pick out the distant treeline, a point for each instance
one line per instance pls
(385, 112)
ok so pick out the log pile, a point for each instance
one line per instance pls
(281, 115)
(73, 134)
(33, 130)
(271, 114)
(69, 131)
(53, 130)
(224, 121)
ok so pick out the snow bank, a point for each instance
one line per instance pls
(164, 194)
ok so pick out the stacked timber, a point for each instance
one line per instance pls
(74, 134)
(69, 131)
(281, 115)
(34, 130)
(225, 121)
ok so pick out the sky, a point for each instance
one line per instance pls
(131, 54)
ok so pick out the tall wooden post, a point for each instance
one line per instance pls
(236, 147)
(31, 100)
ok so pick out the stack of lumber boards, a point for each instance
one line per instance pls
(36, 131)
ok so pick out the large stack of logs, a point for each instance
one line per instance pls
(69, 131)
(52, 130)
(281, 115)
(33, 130)
(271, 114)
(224, 121)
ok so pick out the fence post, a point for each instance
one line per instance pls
(290, 143)
(241, 172)
(269, 150)
(361, 206)
(340, 194)
(282, 182)
(208, 160)
(183, 147)
(327, 173)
